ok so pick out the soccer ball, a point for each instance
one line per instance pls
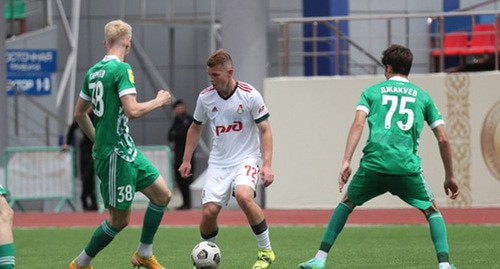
(206, 255)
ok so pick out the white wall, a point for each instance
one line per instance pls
(311, 118)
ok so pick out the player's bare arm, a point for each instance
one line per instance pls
(352, 142)
(192, 139)
(266, 138)
(134, 109)
(82, 118)
(451, 186)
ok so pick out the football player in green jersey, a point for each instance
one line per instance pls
(109, 88)
(396, 111)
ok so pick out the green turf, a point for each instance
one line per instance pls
(357, 247)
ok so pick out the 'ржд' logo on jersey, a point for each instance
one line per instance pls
(236, 127)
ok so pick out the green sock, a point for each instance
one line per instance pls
(102, 236)
(438, 235)
(7, 256)
(152, 220)
(335, 226)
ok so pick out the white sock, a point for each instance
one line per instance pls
(84, 259)
(211, 239)
(444, 265)
(145, 250)
(321, 255)
(263, 241)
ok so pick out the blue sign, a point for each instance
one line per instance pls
(29, 70)
(31, 60)
(32, 85)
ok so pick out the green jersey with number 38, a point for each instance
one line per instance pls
(103, 85)
(397, 110)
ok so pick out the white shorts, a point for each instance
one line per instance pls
(220, 182)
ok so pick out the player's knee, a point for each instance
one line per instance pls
(163, 199)
(119, 223)
(210, 211)
(244, 200)
(348, 202)
(433, 208)
(244, 195)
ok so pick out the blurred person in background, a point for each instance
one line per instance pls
(86, 164)
(177, 134)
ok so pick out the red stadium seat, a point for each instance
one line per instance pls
(482, 39)
(455, 43)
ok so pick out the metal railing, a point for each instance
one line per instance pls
(40, 174)
(35, 124)
(396, 29)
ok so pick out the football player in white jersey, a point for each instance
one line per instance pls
(241, 151)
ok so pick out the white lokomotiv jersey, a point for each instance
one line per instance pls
(233, 123)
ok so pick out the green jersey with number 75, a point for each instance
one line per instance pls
(397, 110)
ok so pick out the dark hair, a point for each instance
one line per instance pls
(178, 102)
(399, 57)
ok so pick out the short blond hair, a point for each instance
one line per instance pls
(116, 31)
(220, 57)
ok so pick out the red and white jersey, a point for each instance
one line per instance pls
(233, 123)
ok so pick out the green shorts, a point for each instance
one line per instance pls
(121, 179)
(367, 184)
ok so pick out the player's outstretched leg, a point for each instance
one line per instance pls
(265, 255)
(440, 239)
(144, 255)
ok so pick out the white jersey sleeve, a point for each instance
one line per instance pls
(200, 114)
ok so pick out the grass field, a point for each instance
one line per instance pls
(391, 246)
